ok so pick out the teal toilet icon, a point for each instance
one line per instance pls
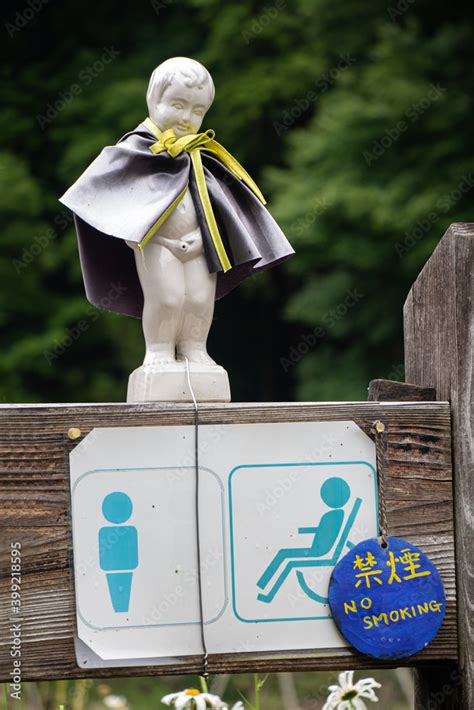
(118, 549)
(329, 539)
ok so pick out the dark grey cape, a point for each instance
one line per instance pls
(124, 192)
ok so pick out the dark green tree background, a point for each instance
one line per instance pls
(355, 119)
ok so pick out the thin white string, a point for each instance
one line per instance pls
(204, 673)
(188, 374)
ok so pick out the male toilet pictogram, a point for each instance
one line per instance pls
(118, 548)
(330, 534)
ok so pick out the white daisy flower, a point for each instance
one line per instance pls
(348, 696)
(192, 699)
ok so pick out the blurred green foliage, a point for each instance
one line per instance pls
(308, 690)
(354, 119)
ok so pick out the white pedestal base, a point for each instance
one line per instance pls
(169, 383)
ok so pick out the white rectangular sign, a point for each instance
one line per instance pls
(279, 505)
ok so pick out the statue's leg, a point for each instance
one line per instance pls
(200, 289)
(162, 279)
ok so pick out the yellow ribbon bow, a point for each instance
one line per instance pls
(193, 144)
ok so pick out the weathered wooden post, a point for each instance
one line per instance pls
(439, 352)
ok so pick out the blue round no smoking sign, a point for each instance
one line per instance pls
(387, 602)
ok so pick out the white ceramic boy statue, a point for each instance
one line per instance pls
(195, 222)
(178, 288)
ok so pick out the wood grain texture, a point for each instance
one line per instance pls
(34, 509)
(392, 390)
(434, 686)
(439, 352)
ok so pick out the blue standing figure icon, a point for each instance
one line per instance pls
(118, 548)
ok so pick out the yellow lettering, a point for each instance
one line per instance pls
(405, 614)
(435, 606)
(367, 621)
(380, 617)
(366, 603)
(394, 615)
(350, 607)
(422, 608)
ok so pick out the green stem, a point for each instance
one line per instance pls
(60, 698)
(259, 683)
(5, 690)
(204, 686)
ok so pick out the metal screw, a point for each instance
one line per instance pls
(379, 427)
(74, 433)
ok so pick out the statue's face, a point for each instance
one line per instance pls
(181, 108)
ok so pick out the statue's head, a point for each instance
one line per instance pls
(179, 94)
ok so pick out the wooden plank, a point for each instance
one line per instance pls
(439, 352)
(392, 390)
(34, 510)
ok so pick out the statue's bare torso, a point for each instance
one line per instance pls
(180, 233)
(181, 221)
